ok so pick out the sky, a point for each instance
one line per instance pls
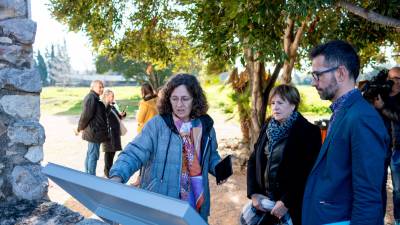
(49, 31)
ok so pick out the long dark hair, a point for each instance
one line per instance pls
(147, 91)
(199, 104)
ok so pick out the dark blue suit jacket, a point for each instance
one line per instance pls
(346, 180)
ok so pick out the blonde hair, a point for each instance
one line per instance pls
(106, 93)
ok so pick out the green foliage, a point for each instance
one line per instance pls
(332, 23)
(98, 19)
(314, 106)
(159, 31)
(148, 31)
(223, 28)
(210, 79)
(215, 67)
(130, 69)
(243, 102)
(311, 103)
(42, 68)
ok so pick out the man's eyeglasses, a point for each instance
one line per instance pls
(317, 74)
(184, 100)
(394, 78)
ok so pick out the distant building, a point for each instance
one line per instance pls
(77, 80)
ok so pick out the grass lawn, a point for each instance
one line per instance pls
(68, 100)
(311, 104)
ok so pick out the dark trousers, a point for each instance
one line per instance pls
(395, 173)
(108, 162)
(385, 177)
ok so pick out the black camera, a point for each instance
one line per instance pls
(378, 85)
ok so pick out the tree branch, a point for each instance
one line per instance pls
(287, 39)
(370, 15)
(299, 34)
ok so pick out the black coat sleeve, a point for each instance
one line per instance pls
(300, 164)
(253, 169)
(88, 111)
(252, 186)
(314, 146)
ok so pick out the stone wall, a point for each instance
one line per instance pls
(23, 187)
(21, 135)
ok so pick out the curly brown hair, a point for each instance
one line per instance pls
(199, 104)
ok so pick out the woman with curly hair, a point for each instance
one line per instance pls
(177, 148)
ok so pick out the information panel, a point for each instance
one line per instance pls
(122, 203)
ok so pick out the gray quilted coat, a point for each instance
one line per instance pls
(158, 149)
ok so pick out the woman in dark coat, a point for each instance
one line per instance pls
(282, 158)
(113, 122)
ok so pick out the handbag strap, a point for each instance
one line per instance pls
(119, 120)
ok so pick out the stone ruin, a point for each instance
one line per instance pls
(23, 187)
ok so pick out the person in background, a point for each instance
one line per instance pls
(147, 110)
(282, 158)
(177, 149)
(389, 108)
(112, 145)
(345, 183)
(147, 106)
(93, 123)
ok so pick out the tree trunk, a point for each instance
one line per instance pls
(256, 72)
(291, 44)
(244, 123)
(287, 71)
(270, 84)
(240, 86)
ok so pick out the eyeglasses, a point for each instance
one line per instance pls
(185, 100)
(317, 74)
(394, 78)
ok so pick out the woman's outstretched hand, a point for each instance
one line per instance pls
(116, 178)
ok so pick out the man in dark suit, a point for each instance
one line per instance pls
(346, 180)
(93, 123)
